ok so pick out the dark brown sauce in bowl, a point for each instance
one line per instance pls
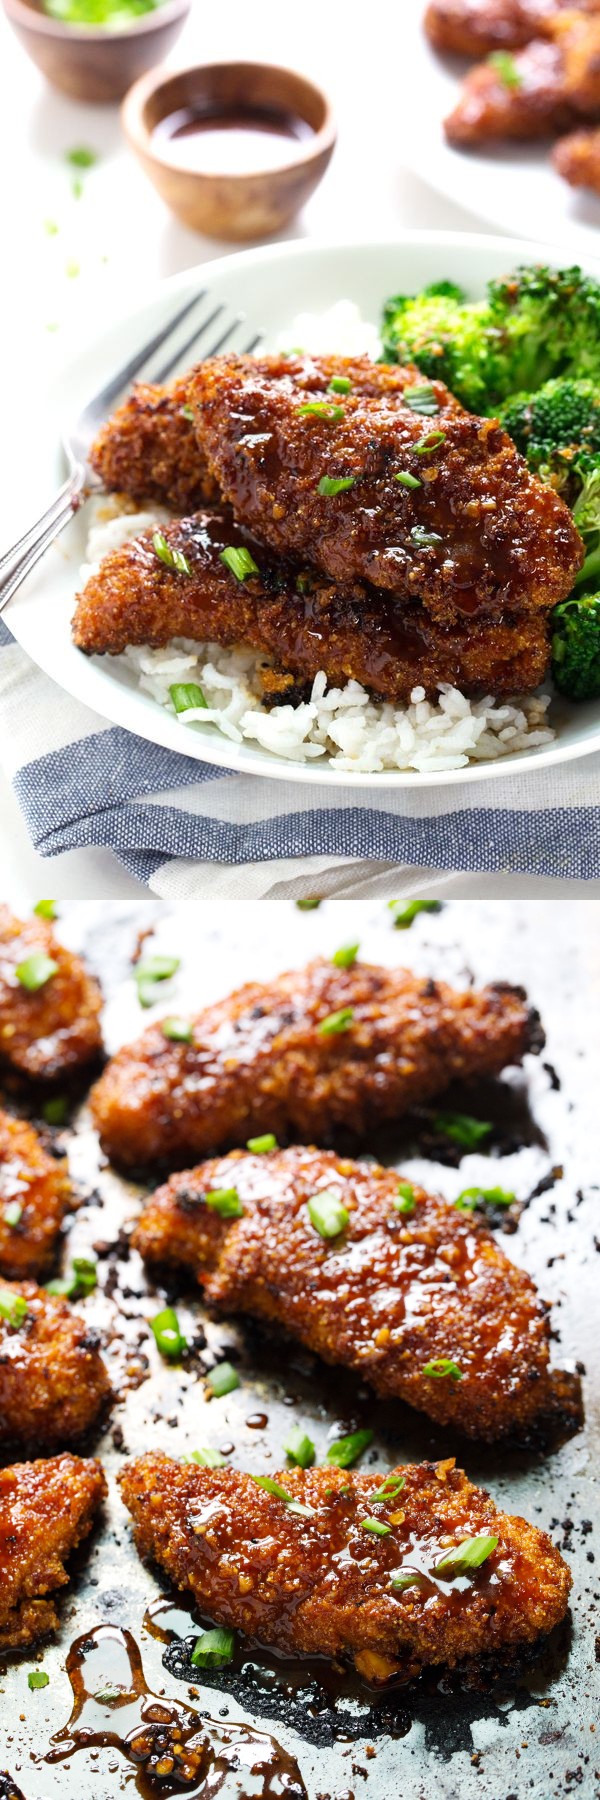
(231, 141)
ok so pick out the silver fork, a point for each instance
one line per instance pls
(18, 562)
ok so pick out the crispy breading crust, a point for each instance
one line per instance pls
(322, 1585)
(46, 1508)
(53, 1382)
(386, 1297)
(302, 621)
(56, 1030)
(475, 27)
(556, 82)
(479, 533)
(36, 1182)
(577, 158)
(148, 449)
(259, 1062)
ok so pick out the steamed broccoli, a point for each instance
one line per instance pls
(555, 429)
(552, 317)
(448, 337)
(576, 647)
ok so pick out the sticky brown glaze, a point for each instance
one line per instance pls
(299, 619)
(53, 1382)
(55, 1031)
(36, 1182)
(387, 1296)
(148, 450)
(259, 1062)
(556, 82)
(500, 538)
(46, 1508)
(475, 27)
(322, 1585)
(577, 158)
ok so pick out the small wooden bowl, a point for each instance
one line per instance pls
(240, 206)
(90, 64)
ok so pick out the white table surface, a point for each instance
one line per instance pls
(118, 234)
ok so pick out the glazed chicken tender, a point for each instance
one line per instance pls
(35, 1195)
(46, 1508)
(554, 82)
(475, 27)
(49, 1007)
(422, 1303)
(300, 620)
(53, 1383)
(276, 1056)
(477, 533)
(577, 158)
(319, 1581)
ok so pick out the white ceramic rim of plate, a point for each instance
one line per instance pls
(94, 686)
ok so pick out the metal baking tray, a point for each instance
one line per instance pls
(535, 1737)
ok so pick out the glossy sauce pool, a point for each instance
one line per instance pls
(232, 142)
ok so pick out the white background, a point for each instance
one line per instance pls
(118, 233)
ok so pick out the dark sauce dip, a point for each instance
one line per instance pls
(232, 141)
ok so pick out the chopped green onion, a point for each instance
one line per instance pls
(213, 1648)
(432, 442)
(187, 694)
(168, 1336)
(407, 480)
(148, 973)
(345, 957)
(272, 1487)
(421, 399)
(179, 1030)
(346, 1450)
(327, 1214)
(45, 909)
(319, 409)
(410, 1579)
(468, 1555)
(13, 1307)
(441, 1366)
(335, 484)
(340, 384)
(404, 913)
(336, 1021)
(173, 559)
(376, 1527)
(35, 971)
(108, 1695)
(300, 1448)
(207, 1458)
(56, 1110)
(405, 1202)
(82, 1279)
(225, 1201)
(223, 1380)
(260, 1145)
(72, 270)
(309, 905)
(51, 228)
(392, 1487)
(463, 1130)
(37, 1678)
(13, 1213)
(188, 412)
(506, 69)
(238, 559)
(422, 538)
(77, 187)
(81, 157)
(473, 1197)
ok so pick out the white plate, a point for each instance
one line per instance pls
(509, 187)
(270, 286)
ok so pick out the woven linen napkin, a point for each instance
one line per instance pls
(83, 782)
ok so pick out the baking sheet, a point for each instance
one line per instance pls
(536, 1737)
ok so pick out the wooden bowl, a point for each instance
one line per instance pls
(95, 64)
(243, 205)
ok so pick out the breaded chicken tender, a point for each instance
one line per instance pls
(49, 1015)
(35, 1194)
(422, 1303)
(306, 1572)
(46, 1508)
(53, 1382)
(326, 482)
(301, 620)
(577, 158)
(277, 1056)
(475, 27)
(547, 88)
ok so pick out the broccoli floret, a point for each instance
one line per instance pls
(576, 647)
(555, 429)
(448, 337)
(552, 321)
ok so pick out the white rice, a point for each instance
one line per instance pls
(345, 725)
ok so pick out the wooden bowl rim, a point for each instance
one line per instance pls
(41, 23)
(134, 103)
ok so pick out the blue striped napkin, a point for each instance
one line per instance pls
(82, 782)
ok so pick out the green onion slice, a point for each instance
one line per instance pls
(390, 1490)
(335, 484)
(207, 1458)
(225, 1201)
(421, 399)
(340, 384)
(37, 1678)
(404, 913)
(81, 157)
(13, 1214)
(309, 905)
(320, 409)
(148, 973)
(188, 413)
(327, 1214)
(179, 1030)
(407, 480)
(468, 1555)
(300, 1448)
(13, 1307)
(405, 1201)
(441, 1366)
(213, 1648)
(410, 1579)
(421, 537)
(239, 561)
(376, 1527)
(272, 1487)
(187, 695)
(45, 909)
(260, 1145)
(432, 442)
(345, 956)
(474, 1197)
(223, 1380)
(336, 1021)
(169, 1339)
(346, 1450)
(466, 1132)
(56, 1110)
(506, 69)
(173, 559)
(35, 971)
(83, 1278)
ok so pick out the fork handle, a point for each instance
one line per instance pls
(17, 562)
